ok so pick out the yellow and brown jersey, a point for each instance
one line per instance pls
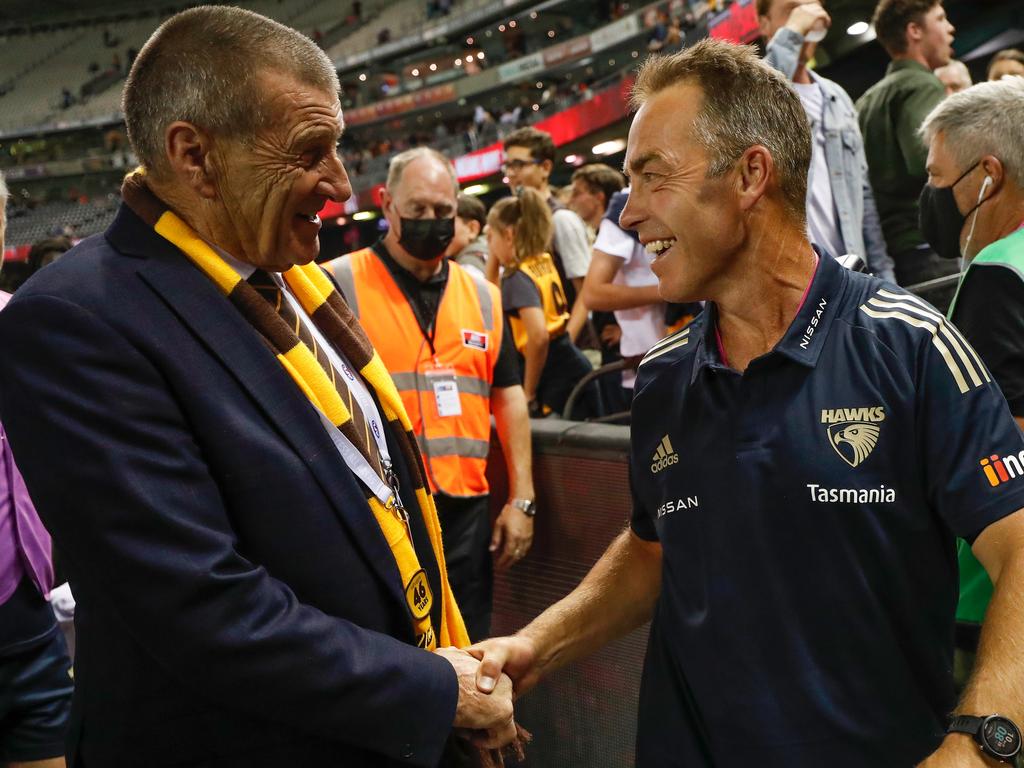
(535, 283)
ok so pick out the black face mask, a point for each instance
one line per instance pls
(426, 239)
(940, 220)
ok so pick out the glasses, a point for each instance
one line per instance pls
(518, 165)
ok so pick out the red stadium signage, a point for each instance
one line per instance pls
(738, 24)
(604, 108)
(478, 164)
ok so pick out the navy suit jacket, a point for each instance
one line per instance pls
(237, 602)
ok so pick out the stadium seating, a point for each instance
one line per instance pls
(36, 77)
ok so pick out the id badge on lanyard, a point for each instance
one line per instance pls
(445, 385)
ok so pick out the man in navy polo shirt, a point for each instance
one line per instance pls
(803, 456)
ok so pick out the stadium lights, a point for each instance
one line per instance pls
(533, 14)
(415, 73)
(469, 57)
(609, 147)
(362, 77)
(364, 216)
(477, 189)
(480, 55)
(469, 41)
(551, 33)
(501, 27)
(458, 62)
(433, 67)
(857, 28)
(512, 24)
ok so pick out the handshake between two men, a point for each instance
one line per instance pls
(617, 596)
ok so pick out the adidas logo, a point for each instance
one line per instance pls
(664, 457)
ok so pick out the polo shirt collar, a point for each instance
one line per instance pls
(804, 339)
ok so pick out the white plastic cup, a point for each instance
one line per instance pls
(816, 33)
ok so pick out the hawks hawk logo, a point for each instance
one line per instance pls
(853, 442)
(853, 432)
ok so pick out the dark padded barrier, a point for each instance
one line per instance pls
(585, 714)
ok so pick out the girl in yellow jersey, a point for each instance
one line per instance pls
(518, 231)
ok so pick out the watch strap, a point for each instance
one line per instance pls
(976, 726)
(965, 724)
(527, 506)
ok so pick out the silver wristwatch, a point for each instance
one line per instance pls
(527, 506)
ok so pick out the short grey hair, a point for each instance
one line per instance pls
(985, 119)
(203, 66)
(400, 161)
(745, 103)
(958, 69)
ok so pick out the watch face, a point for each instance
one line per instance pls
(1001, 736)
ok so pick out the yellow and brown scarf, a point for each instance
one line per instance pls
(331, 314)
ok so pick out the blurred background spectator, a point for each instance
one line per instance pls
(1006, 63)
(955, 77)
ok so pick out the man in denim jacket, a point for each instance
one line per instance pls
(841, 213)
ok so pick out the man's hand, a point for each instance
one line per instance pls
(487, 713)
(959, 750)
(514, 656)
(512, 536)
(805, 16)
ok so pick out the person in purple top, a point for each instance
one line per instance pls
(35, 672)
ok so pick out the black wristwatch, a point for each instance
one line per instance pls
(997, 736)
(527, 506)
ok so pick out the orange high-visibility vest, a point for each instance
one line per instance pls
(467, 341)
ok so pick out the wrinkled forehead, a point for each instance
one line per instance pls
(287, 100)
(662, 129)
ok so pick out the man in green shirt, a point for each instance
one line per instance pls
(974, 206)
(918, 38)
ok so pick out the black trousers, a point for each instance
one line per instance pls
(564, 367)
(466, 534)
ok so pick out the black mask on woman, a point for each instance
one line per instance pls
(939, 218)
(426, 239)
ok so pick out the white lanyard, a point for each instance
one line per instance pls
(385, 493)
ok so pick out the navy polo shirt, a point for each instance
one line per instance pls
(807, 510)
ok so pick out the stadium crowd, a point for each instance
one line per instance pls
(171, 386)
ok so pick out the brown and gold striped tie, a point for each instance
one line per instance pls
(359, 433)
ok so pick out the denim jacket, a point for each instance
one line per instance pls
(844, 154)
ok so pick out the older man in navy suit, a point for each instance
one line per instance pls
(235, 492)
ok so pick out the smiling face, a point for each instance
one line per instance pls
(690, 223)
(523, 170)
(270, 188)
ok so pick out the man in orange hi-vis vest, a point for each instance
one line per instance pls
(439, 330)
